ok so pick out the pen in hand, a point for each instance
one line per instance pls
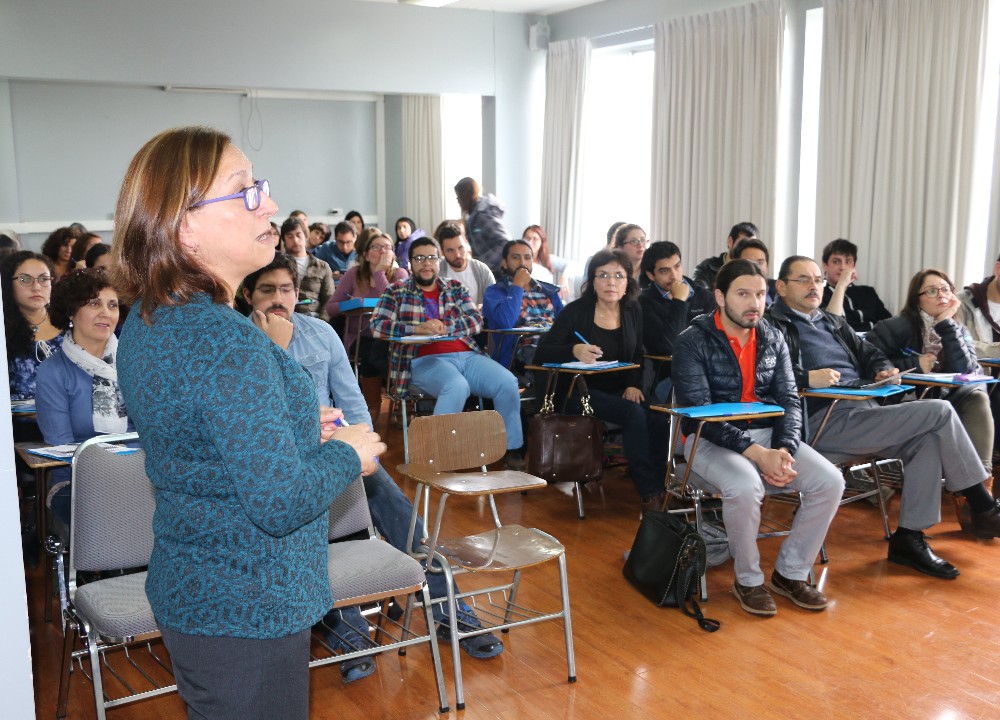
(910, 352)
(582, 338)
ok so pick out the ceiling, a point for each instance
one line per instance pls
(530, 7)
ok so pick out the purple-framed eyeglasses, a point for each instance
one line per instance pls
(251, 195)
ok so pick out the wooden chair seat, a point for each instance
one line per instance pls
(506, 548)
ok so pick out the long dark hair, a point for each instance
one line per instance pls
(18, 333)
(911, 310)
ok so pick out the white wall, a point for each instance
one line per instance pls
(294, 46)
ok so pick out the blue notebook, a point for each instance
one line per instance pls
(355, 303)
(884, 391)
(728, 409)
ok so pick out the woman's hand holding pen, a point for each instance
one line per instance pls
(366, 443)
(585, 352)
(926, 361)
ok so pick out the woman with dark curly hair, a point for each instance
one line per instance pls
(608, 315)
(81, 247)
(58, 247)
(77, 394)
(27, 284)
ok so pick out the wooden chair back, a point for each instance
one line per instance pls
(458, 441)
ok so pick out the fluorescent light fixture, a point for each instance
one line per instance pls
(428, 3)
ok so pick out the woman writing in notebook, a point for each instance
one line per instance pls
(243, 459)
(604, 324)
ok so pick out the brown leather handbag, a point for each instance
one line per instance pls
(565, 448)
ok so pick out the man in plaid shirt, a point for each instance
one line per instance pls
(454, 367)
(517, 300)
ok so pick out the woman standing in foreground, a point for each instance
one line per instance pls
(242, 457)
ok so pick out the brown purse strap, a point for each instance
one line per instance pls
(584, 395)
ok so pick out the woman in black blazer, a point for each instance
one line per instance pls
(608, 316)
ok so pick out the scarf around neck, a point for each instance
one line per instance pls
(109, 405)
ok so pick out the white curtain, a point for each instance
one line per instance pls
(423, 158)
(562, 178)
(899, 100)
(715, 126)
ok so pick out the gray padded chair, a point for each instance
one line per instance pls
(111, 530)
(371, 571)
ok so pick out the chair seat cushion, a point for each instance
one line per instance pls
(116, 607)
(506, 548)
(363, 568)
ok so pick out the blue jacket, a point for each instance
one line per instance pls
(706, 370)
(230, 423)
(329, 253)
(320, 351)
(502, 309)
(64, 402)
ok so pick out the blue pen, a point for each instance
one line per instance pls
(582, 338)
(910, 352)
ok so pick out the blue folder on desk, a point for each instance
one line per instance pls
(884, 391)
(355, 303)
(587, 366)
(728, 410)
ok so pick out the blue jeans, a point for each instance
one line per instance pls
(452, 377)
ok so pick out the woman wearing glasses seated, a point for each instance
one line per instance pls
(631, 239)
(77, 394)
(927, 336)
(605, 323)
(31, 337)
(375, 271)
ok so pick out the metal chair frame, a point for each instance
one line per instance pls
(442, 444)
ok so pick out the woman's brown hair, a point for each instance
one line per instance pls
(168, 175)
(368, 235)
(911, 310)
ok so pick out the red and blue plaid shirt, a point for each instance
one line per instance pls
(401, 308)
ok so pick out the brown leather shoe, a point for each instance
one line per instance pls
(799, 592)
(755, 600)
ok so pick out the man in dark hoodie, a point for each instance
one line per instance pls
(484, 228)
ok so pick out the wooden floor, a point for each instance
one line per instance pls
(893, 644)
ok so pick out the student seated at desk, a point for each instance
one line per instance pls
(375, 270)
(77, 394)
(271, 291)
(732, 355)
(449, 369)
(926, 334)
(518, 300)
(608, 316)
(926, 435)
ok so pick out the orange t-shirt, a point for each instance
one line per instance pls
(747, 356)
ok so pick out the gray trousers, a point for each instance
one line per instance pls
(738, 481)
(926, 435)
(227, 678)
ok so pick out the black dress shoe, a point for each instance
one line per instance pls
(912, 549)
(987, 524)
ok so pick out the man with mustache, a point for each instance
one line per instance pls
(454, 367)
(926, 435)
(732, 355)
(271, 292)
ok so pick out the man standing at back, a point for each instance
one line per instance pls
(457, 265)
(483, 215)
(730, 356)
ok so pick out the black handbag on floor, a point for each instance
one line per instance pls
(666, 564)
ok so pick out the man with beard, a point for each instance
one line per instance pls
(519, 300)
(458, 264)
(926, 435)
(270, 292)
(454, 367)
(731, 355)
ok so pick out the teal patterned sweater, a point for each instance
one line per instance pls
(230, 424)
